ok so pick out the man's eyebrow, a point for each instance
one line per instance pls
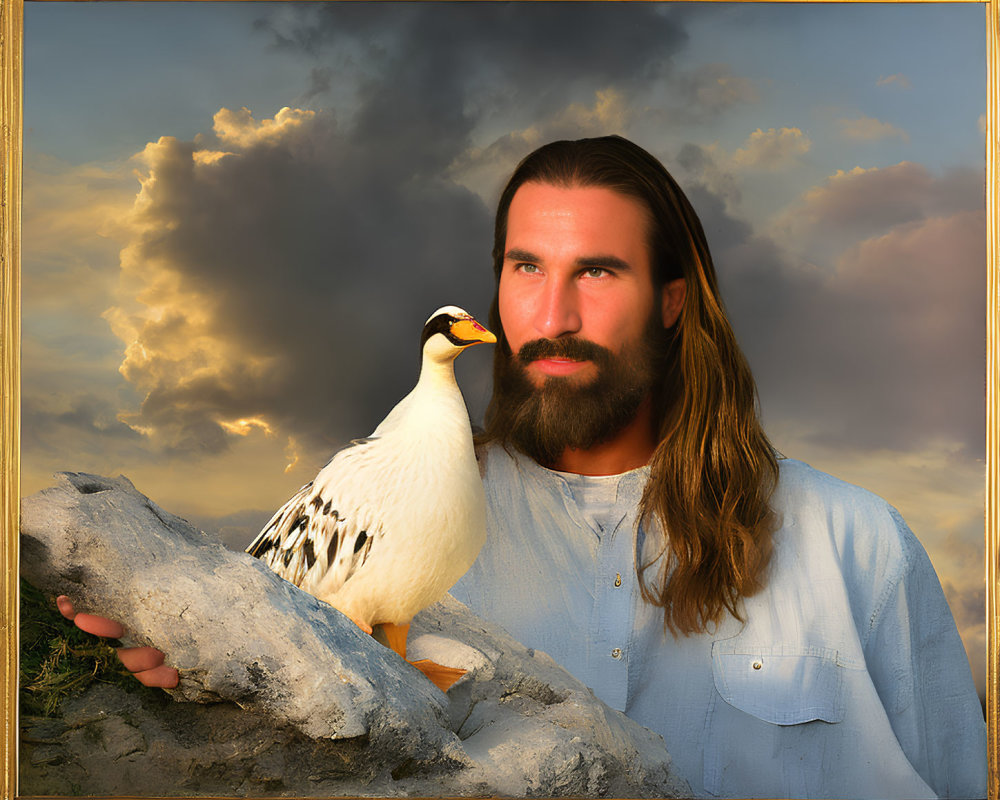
(611, 262)
(515, 254)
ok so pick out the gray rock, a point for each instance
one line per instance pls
(530, 727)
(233, 629)
(281, 694)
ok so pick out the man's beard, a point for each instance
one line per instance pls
(543, 421)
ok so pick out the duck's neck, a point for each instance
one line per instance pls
(436, 373)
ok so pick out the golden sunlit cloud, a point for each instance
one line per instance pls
(246, 426)
(610, 111)
(763, 151)
(238, 128)
(292, 454)
(838, 197)
(771, 149)
(870, 129)
(234, 263)
(209, 156)
(178, 353)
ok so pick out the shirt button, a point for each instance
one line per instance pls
(616, 653)
(757, 665)
(618, 579)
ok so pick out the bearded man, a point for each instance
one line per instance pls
(783, 631)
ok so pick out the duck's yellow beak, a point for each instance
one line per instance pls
(468, 330)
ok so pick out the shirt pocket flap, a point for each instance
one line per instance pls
(784, 688)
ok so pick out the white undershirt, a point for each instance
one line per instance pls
(595, 496)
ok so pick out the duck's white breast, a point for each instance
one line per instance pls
(417, 488)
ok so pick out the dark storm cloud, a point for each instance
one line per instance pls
(319, 83)
(299, 269)
(883, 347)
(531, 47)
(79, 427)
(316, 250)
(318, 260)
(436, 70)
(312, 266)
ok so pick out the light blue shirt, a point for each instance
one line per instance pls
(848, 679)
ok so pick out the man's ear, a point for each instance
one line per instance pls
(674, 293)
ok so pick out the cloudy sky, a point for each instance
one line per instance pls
(237, 217)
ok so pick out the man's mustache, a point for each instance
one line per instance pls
(569, 347)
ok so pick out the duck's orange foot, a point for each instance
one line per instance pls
(360, 623)
(441, 676)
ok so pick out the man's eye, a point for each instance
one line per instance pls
(530, 268)
(595, 272)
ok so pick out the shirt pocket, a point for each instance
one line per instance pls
(780, 685)
(768, 731)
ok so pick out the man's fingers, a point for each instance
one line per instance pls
(162, 676)
(145, 663)
(65, 606)
(99, 626)
(138, 659)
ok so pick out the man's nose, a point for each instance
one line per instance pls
(558, 310)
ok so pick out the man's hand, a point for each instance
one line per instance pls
(146, 663)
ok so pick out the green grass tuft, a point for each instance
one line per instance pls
(58, 660)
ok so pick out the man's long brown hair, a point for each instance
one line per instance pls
(714, 470)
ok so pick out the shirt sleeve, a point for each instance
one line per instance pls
(921, 672)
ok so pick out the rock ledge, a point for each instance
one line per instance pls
(282, 695)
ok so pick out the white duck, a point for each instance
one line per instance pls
(394, 520)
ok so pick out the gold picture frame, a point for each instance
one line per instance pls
(11, 108)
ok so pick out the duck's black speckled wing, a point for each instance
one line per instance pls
(308, 537)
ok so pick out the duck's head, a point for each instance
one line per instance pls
(449, 330)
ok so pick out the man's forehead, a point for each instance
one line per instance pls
(592, 221)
